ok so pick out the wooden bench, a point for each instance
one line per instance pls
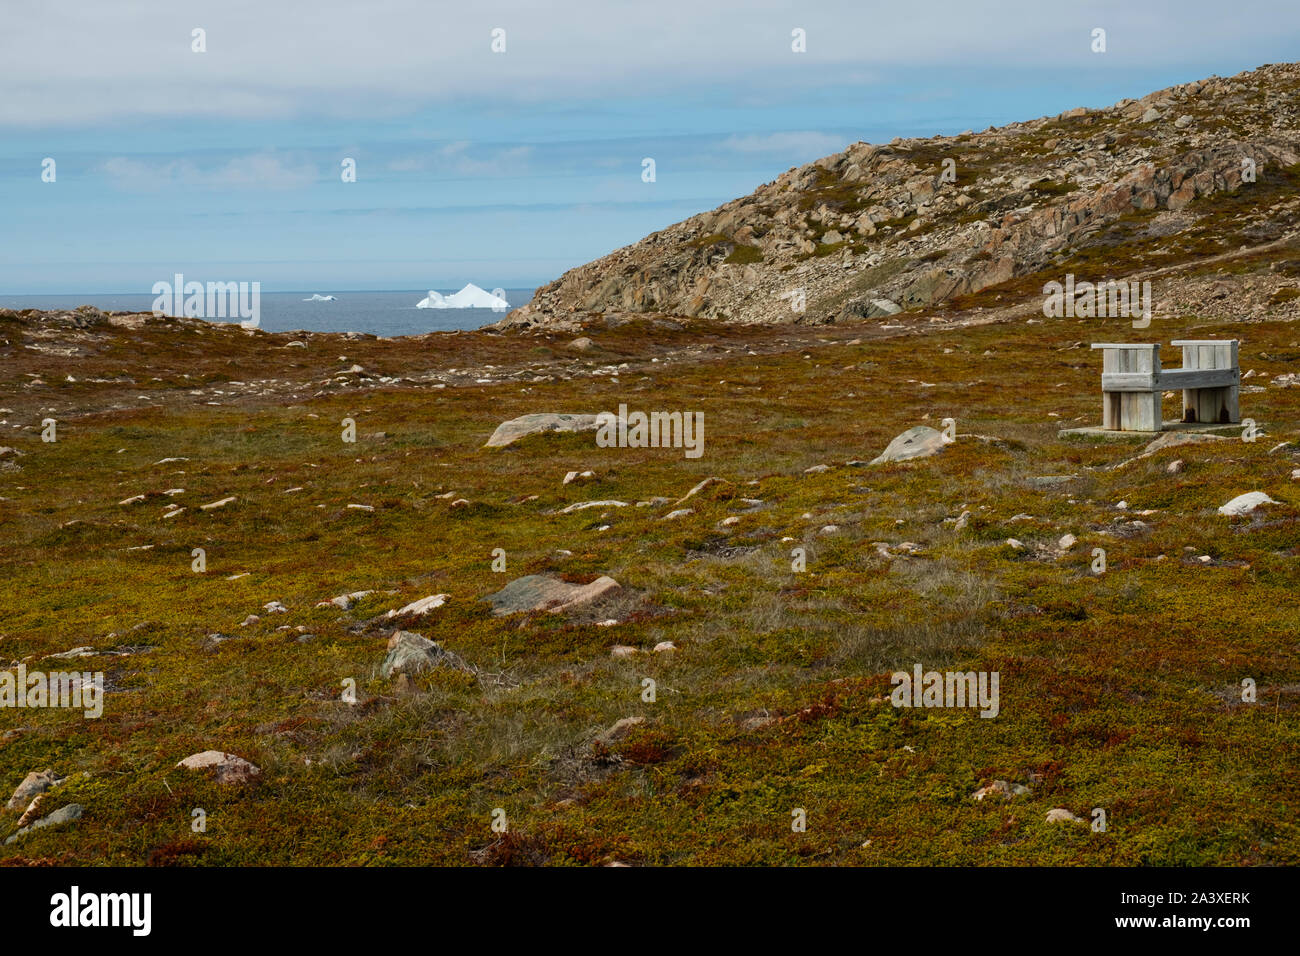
(1132, 382)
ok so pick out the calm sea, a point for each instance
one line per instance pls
(379, 313)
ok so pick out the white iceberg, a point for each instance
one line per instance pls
(317, 297)
(470, 297)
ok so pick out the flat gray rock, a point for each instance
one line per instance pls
(540, 423)
(538, 592)
(66, 814)
(919, 442)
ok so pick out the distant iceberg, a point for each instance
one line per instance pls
(470, 297)
(317, 297)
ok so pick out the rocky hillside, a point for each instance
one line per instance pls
(875, 230)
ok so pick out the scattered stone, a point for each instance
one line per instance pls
(1171, 439)
(362, 507)
(1245, 504)
(664, 646)
(539, 592)
(620, 729)
(1175, 467)
(1015, 543)
(251, 619)
(830, 529)
(729, 522)
(623, 650)
(212, 641)
(84, 651)
(584, 505)
(582, 344)
(228, 768)
(1067, 542)
(517, 428)
(275, 607)
(213, 505)
(344, 602)
(918, 442)
(1061, 815)
(573, 476)
(817, 469)
(421, 607)
(33, 785)
(1000, 788)
(679, 513)
(706, 483)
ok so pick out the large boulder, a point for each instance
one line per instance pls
(538, 592)
(919, 442)
(517, 428)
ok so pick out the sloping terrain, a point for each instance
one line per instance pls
(917, 222)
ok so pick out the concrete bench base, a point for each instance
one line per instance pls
(1231, 430)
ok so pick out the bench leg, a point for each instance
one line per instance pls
(1211, 406)
(1110, 410)
(1140, 412)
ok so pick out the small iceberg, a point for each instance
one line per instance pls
(317, 297)
(470, 297)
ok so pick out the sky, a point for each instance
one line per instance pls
(506, 166)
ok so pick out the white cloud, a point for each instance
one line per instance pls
(69, 62)
(462, 159)
(253, 171)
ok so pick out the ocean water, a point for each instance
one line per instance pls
(379, 313)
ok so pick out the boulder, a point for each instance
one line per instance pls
(66, 814)
(1245, 504)
(919, 442)
(539, 592)
(34, 784)
(227, 768)
(517, 428)
(410, 653)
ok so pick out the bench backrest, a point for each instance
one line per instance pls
(1129, 366)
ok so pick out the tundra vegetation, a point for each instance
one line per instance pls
(1120, 689)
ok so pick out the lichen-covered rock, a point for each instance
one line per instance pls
(410, 653)
(227, 768)
(539, 592)
(539, 423)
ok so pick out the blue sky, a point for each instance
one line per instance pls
(505, 168)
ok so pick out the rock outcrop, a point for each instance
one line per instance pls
(877, 229)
